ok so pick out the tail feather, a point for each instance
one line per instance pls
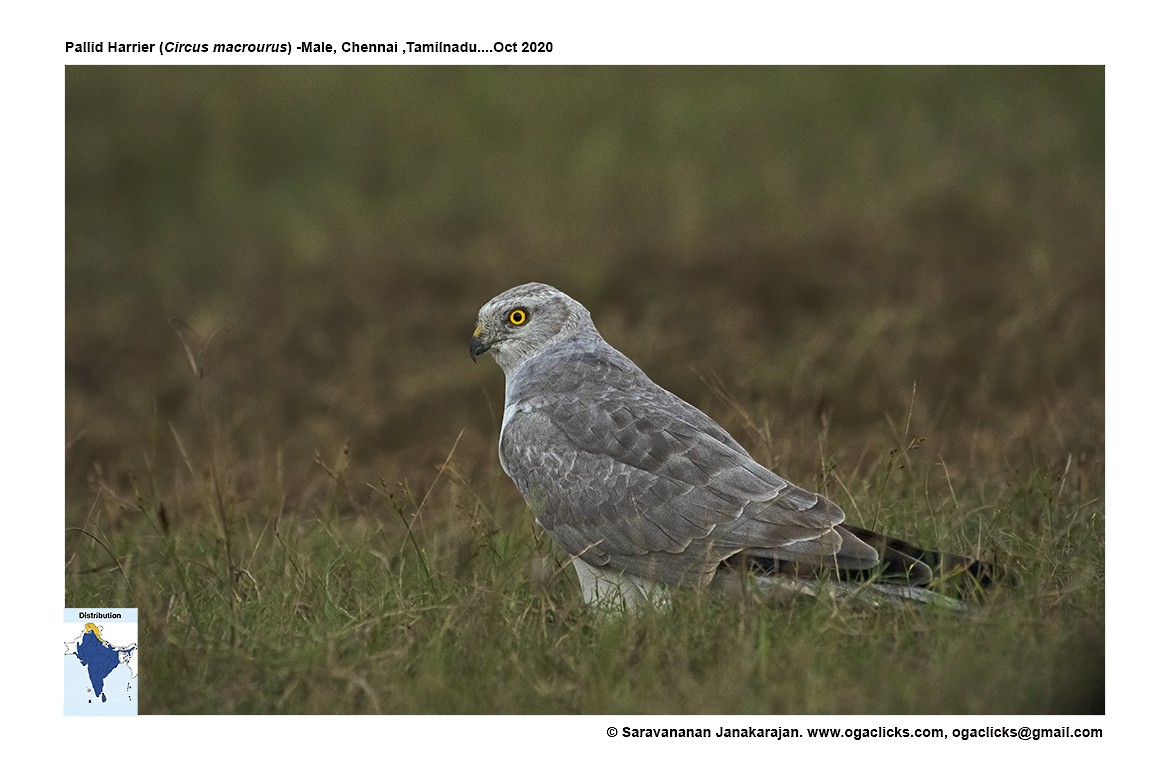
(903, 571)
(968, 575)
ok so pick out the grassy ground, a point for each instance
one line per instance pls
(887, 283)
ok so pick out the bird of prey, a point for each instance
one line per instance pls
(647, 493)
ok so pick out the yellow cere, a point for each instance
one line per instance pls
(475, 333)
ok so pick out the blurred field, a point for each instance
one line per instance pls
(887, 283)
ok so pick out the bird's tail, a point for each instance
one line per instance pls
(903, 572)
(899, 559)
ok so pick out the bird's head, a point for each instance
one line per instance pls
(525, 321)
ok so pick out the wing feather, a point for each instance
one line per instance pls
(624, 473)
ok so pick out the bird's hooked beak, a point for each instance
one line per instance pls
(478, 344)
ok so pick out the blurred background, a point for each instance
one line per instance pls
(282, 266)
(887, 283)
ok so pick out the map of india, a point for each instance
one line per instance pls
(101, 663)
(98, 656)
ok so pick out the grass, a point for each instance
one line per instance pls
(332, 614)
(887, 283)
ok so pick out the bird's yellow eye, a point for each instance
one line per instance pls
(518, 316)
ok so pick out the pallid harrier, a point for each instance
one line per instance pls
(646, 492)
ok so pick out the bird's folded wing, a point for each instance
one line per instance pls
(642, 480)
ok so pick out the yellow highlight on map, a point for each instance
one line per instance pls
(96, 631)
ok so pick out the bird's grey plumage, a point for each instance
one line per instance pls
(639, 486)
